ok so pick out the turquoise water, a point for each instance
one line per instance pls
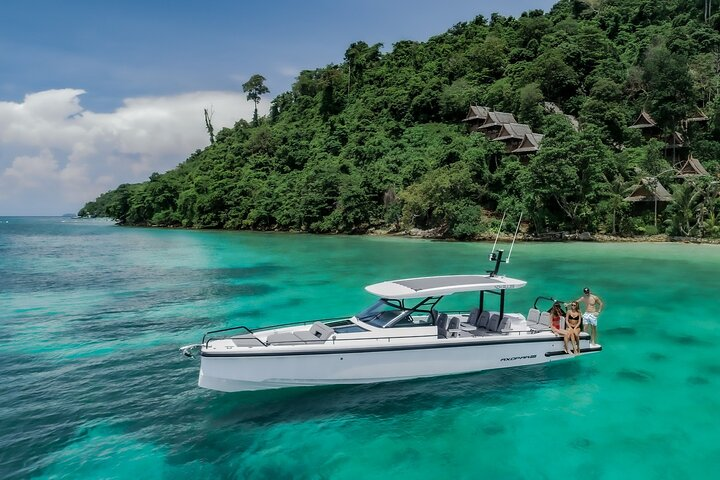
(93, 385)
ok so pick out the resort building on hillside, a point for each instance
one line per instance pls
(530, 144)
(649, 190)
(476, 116)
(690, 167)
(647, 125)
(494, 123)
(512, 135)
(698, 116)
(649, 195)
(502, 127)
(675, 149)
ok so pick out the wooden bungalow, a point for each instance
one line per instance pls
(690, 168)
(512, 135)
(649, 190)
(647, 125)
(675, 148)
(494, 122)
(530, 144)
(476, 116)
(674, 140)
(649, 194)
(697, 116)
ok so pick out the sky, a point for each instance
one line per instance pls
(94, 94)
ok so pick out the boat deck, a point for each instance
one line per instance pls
(457, 329)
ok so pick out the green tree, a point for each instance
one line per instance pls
(255, 88)
(530, 110)
(614, 202)
(670, 91)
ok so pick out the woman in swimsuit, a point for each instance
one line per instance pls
(572, 328)
(556, 314)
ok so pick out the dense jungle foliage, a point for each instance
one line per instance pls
(378, 142)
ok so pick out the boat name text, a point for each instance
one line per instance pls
(524, 357)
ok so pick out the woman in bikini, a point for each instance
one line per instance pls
(572, 327)
(556, 314)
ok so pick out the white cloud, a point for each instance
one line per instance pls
(30, 172)
(289, 71)
(55, 155)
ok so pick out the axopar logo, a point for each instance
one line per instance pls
(523, 357)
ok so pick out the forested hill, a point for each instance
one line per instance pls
(378, 141)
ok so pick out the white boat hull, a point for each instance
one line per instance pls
(251, 371)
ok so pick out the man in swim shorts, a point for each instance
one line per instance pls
(593, 307)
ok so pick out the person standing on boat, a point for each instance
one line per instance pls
(593, 307)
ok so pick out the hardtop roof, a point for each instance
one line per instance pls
(422, 287)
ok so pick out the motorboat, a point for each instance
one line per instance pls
(404, 334)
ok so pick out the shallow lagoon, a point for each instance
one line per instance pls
(93, 385)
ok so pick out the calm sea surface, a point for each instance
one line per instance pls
(92, 384)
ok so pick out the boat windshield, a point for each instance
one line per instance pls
(382, 312)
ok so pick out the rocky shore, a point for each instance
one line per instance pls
(434, 234)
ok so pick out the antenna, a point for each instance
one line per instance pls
(517, 229)
(498, 235)
(496, 255)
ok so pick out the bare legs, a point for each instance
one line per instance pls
(564, 334)
(588, 327)
(572, 335)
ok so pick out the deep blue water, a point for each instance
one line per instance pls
(93, 385)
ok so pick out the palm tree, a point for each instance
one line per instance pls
(707, 204)
(617, 190)
(687, 199)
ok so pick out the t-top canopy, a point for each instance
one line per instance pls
(439, 286)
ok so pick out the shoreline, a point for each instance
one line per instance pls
(552, 237)
(559, 237)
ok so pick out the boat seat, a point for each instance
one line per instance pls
(454, 329)
(482, 324)
(472, 318)
(483, 320)
(246, 340)
(538, 321)
(319, 332)
(503, 325)
(493, 323)
(533, 316)
(442, 322)
(543, 322)
(284, 337)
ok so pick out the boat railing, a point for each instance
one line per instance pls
(549, 299)
(207, 338)
(391, 338)
(302, 322)
(334, 340)
(249, 334)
